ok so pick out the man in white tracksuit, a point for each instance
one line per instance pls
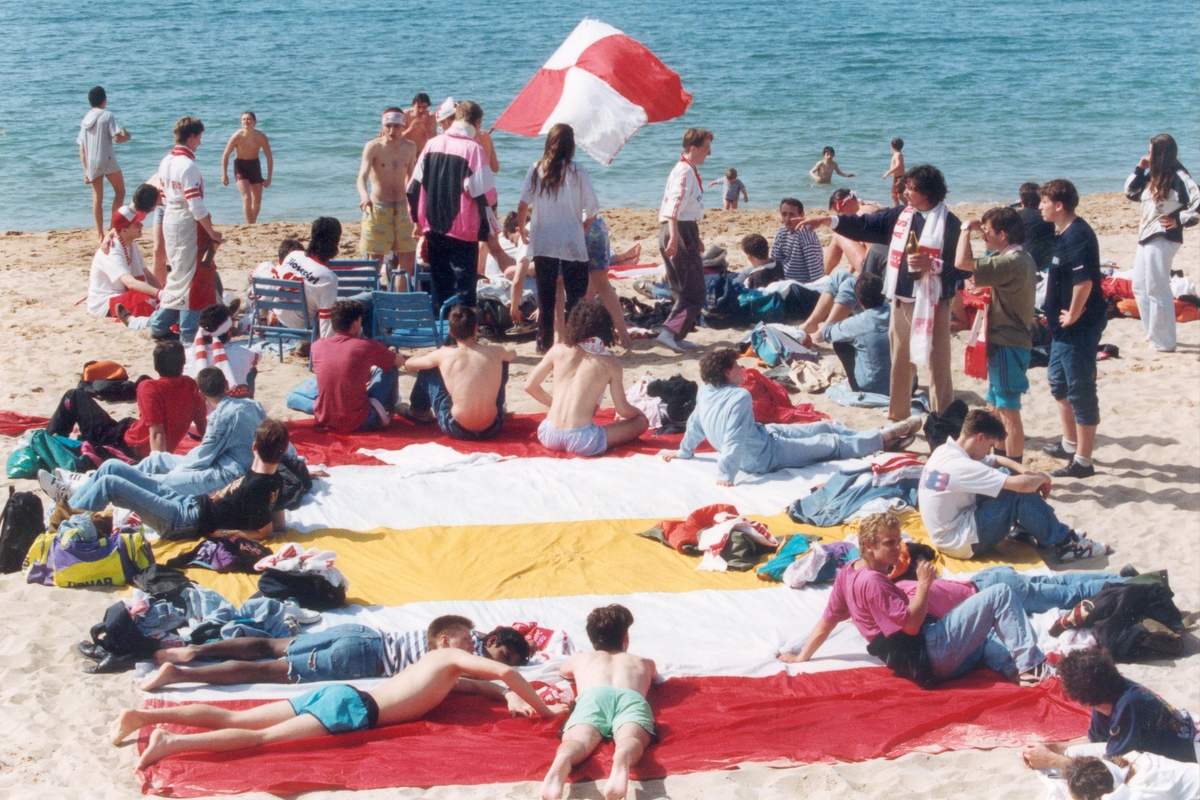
(186, 226)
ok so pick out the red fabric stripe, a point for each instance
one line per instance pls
(530, 108)
(636, 73)
(704, 724)
(517, 438)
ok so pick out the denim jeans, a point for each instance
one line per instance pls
(1039, 593)
(165, 468)
(124, 486)
(996, 516)
(991, 627)
(164, 318)
(1072, 372)
(383, 388)
(801, 445)
(429, 394)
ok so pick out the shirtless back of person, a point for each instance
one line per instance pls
(418, 689)
(389, 167)
(472, 372)
(579, 382)
(618, 670)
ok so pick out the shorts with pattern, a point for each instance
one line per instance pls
(387, 228)
(1007, 379)
(590, 440)
(607, 708)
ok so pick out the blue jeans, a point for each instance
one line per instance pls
(124, 486)
(341, 653)
(162, 320)
(165, 467)
(1072, 373)
(1039, 593)
(801, 445)
(991, 627)
(996, 516)
(384, 388)
(429, 394)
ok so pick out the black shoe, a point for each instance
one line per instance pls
(91, 650)
(1073, 470)
(1058, 451)
(111, 663)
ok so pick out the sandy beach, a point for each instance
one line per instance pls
(1144, 501)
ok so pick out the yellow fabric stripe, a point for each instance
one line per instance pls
(471, 562)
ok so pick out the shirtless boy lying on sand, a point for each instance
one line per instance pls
(583, 368)
(611, 704)
(461, 387)
(339, 708)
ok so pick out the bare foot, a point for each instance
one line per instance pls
(552, 786)
(127, 723)
(164, 676)
(617, 784)
(158, 747)
(175, 655)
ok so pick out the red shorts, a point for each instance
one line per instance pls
(138, 304)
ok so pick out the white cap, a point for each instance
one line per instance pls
(446, 109)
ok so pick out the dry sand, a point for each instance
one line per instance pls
(1143, 501)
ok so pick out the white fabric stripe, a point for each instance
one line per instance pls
(701, 633)
(426, 487)
(602, 117)
(586, 34)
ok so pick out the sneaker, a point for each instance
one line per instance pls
(55, 489)
(72, 480)
(667, 340)
(1033, 677)
(1073, 470)
(123, 314)
(1080, 548)
(1058, 451)
(684, 344)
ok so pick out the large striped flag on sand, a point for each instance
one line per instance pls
(602, 83)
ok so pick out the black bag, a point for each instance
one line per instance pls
(940, 427)
(21, 522)
(119, 635)
(905, 656)
(293, 472)
(494, 318)
(310, 590)
(113, 391)
(163, 583)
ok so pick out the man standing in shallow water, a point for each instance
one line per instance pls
(247, 141)
(387, 162)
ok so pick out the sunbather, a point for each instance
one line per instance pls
(339, 708)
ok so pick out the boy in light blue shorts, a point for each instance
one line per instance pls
(1010, 272)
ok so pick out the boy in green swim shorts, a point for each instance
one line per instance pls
(611, 704)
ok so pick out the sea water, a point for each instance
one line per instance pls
(992, 93)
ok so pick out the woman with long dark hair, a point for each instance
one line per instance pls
(559, 192)
(1170, 202)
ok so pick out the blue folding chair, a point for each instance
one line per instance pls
(269, 295)
(355, 276)
(405, 319)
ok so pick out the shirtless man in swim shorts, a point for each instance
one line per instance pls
(247, 141)
(612, 686)
(583, 368)
(338, 708)
(455, 384)
(421, 126)
(387, 162)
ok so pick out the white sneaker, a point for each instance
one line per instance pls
(667, 340)
(1080, 548)
(55, 489)
(72, 480)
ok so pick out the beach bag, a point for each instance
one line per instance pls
(112, 391)
(118, 634)
(774, 345)
(223, 554)
(310, 590)
(755, 305)
(494, 318)
(20, 523)
(975, 357)
(163, 583)
(65, 560)
(41, 450)
(104, 371)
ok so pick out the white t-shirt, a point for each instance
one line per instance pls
(104, 280)
(949, 483)
(320, 290)
(515, 250)
(556, 230)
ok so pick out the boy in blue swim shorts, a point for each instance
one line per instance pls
(329, 710)
(611, 704)
(1010, 272)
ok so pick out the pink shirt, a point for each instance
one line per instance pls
(944, 595)
(868, 599)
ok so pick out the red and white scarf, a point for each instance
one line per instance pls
(927, 288)
(218, 358)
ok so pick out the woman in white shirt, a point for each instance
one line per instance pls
(560, 194)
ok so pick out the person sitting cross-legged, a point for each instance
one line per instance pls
(724, 416)
(356, 377)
